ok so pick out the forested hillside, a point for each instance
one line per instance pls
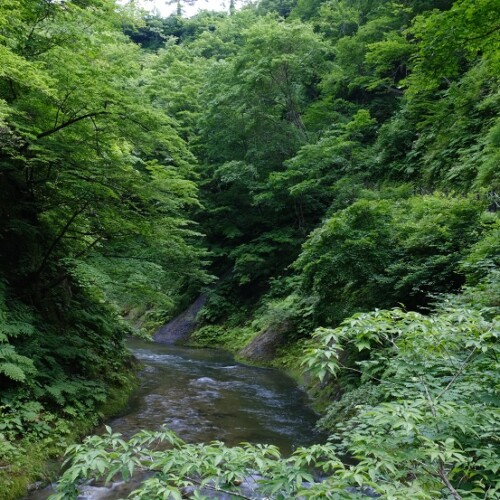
(330, 169)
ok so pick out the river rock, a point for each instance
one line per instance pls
(263, 347)
(204, 380)
(247, 488)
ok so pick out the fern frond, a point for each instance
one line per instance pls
(12, 371)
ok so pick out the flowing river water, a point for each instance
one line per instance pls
(205, 395)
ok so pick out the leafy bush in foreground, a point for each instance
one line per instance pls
(436, 385)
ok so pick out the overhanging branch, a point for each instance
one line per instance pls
(71, 122)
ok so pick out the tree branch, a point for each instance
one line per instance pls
(64, 274)
(459, 372)
(441, 471)
(71, 122)
(442, 474)
(484, 35)
(358, 371)
(213, 488)
(59, 237)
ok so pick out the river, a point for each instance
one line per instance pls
(205, 395)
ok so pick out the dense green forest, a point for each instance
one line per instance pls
(327, 171)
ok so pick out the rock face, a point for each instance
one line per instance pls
(263, 347)
(181, 327)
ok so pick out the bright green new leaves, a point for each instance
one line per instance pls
(202, 469)
(256, 100)
(279, 60)
(449, 40)
(103, 165)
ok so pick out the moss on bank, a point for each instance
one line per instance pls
(230, 338)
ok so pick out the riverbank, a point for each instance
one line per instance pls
(32, 463)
